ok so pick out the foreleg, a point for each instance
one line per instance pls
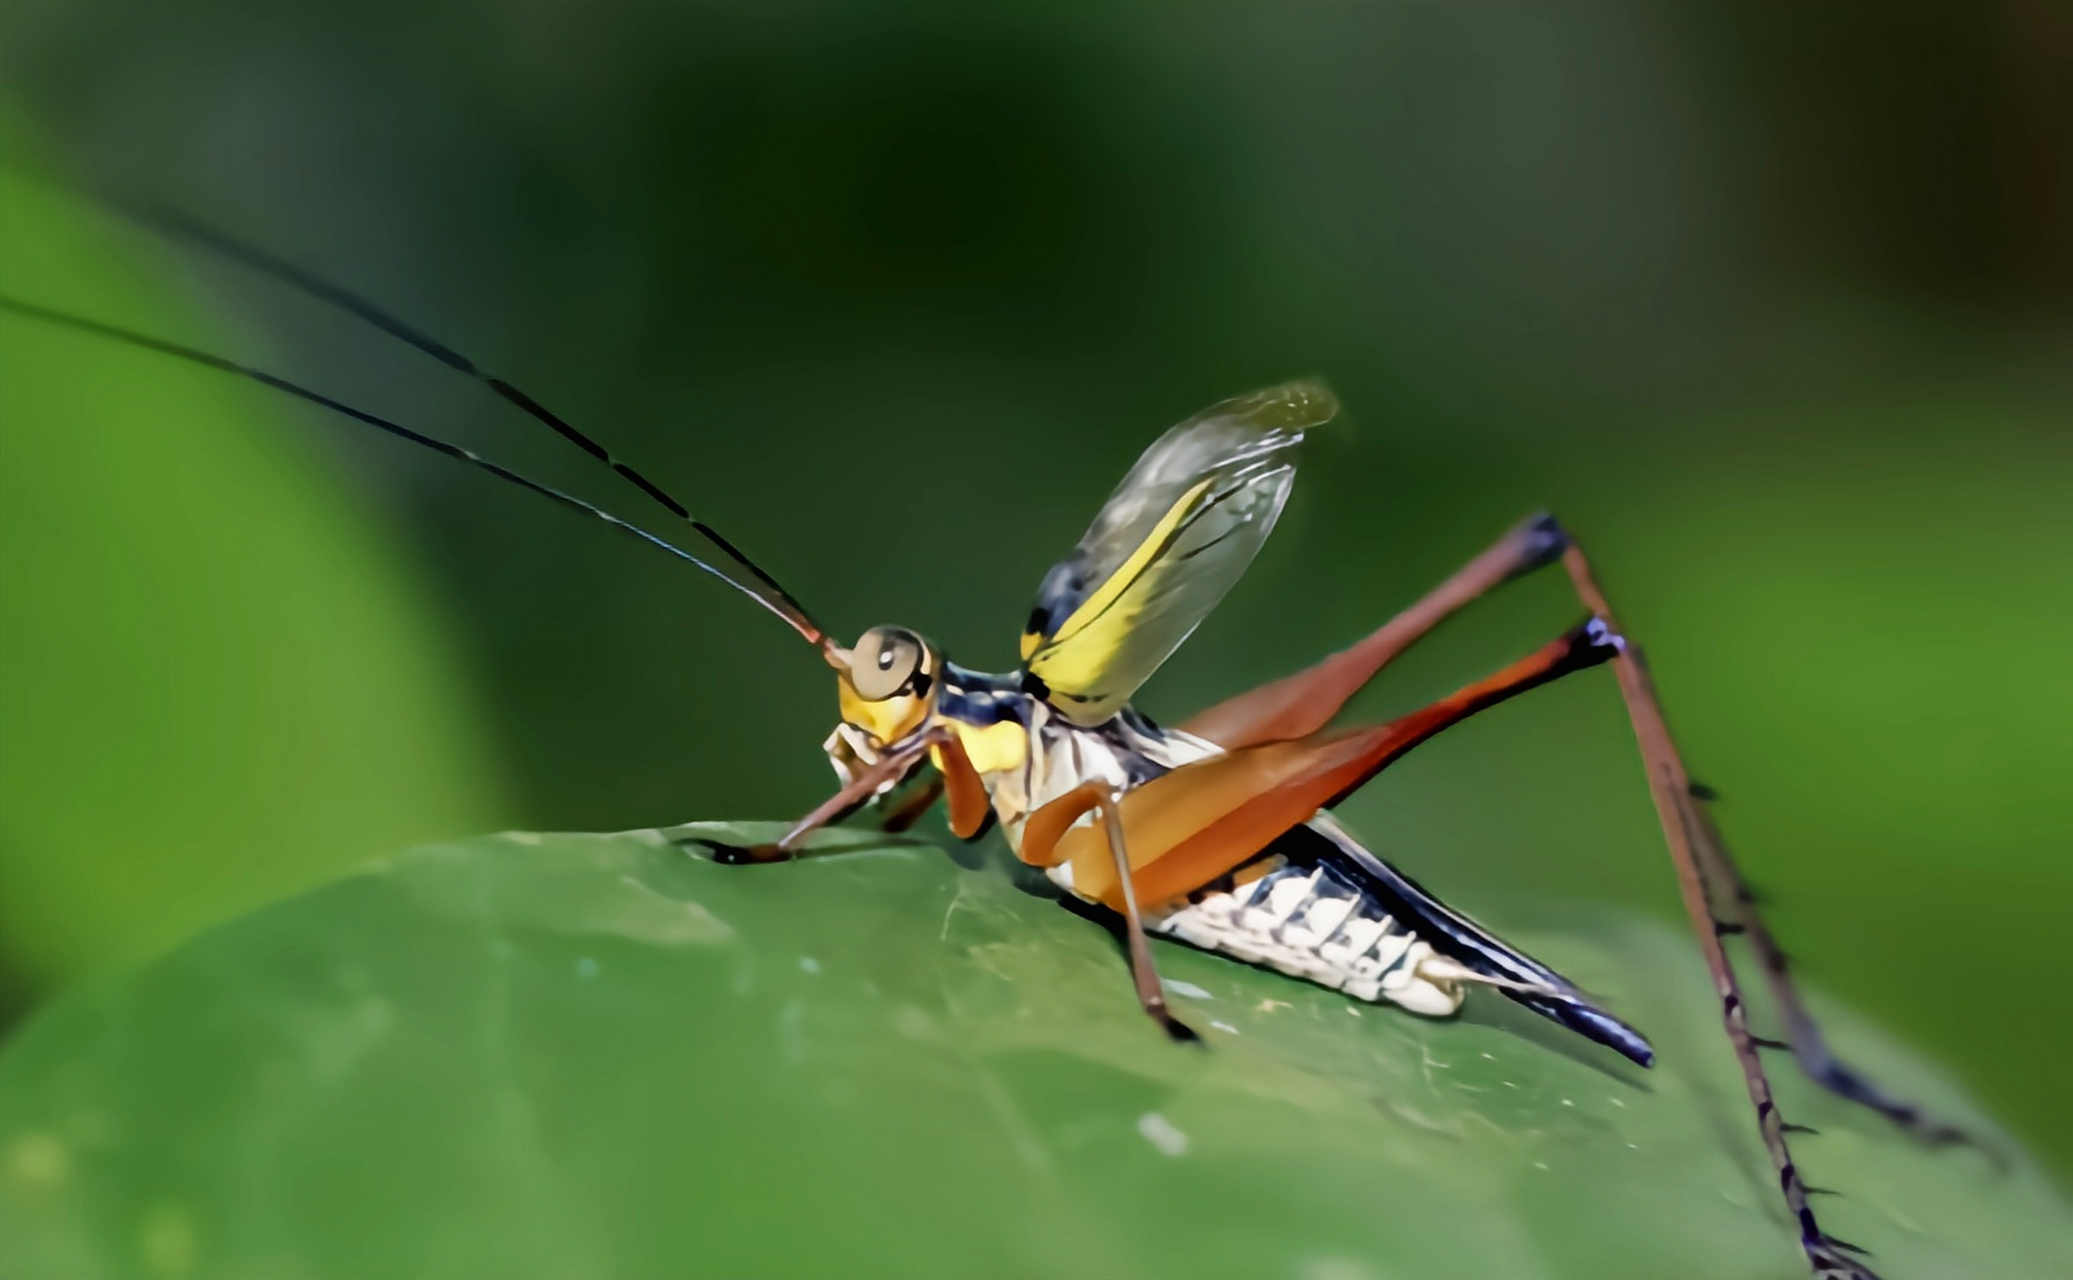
(904, 811)
(895, 763)
(1151, 994)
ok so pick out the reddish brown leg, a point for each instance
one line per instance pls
(1041, 839)
(1809, 1046)
(1304, 702)
(1202, 820)
(1699, 867)
(897, 760)
(1714, 894)
(1299, 705)
(904, 811)
(1151, 994)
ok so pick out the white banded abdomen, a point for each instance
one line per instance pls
(1311, 922)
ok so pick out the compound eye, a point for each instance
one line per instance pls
(884, 662)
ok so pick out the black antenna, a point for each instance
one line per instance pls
(782, 606)
(179, 226)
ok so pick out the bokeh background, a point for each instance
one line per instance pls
(1771, 303)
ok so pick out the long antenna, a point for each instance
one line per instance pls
(780, 604)
(179, 226)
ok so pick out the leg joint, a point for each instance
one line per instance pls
(1542, 542)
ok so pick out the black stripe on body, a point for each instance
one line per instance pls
(1338, 868)
(1457, 937)
(979, 698)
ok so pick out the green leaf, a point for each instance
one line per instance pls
(579, 1056)
(218, 681)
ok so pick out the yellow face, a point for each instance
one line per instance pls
(890, 685)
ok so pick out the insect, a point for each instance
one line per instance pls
(1217, 833)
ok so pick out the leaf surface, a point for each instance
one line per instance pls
(577, 1056)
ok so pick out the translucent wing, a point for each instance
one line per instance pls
(1171, 540)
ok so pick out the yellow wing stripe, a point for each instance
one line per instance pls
(1075, 657)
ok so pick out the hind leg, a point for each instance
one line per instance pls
(1802, 1034)
(1299, 705)
(1303, 703)
(1701, 876)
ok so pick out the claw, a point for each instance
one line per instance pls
(1179, 1032)
(1832, 1260)
(1845, 1081)
(739, 855)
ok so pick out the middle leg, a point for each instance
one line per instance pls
(1144, 974)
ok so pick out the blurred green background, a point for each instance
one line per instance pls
(1771, 304)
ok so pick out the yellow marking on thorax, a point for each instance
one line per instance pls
(993, 748)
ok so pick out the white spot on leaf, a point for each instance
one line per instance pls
(1159, 1131)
